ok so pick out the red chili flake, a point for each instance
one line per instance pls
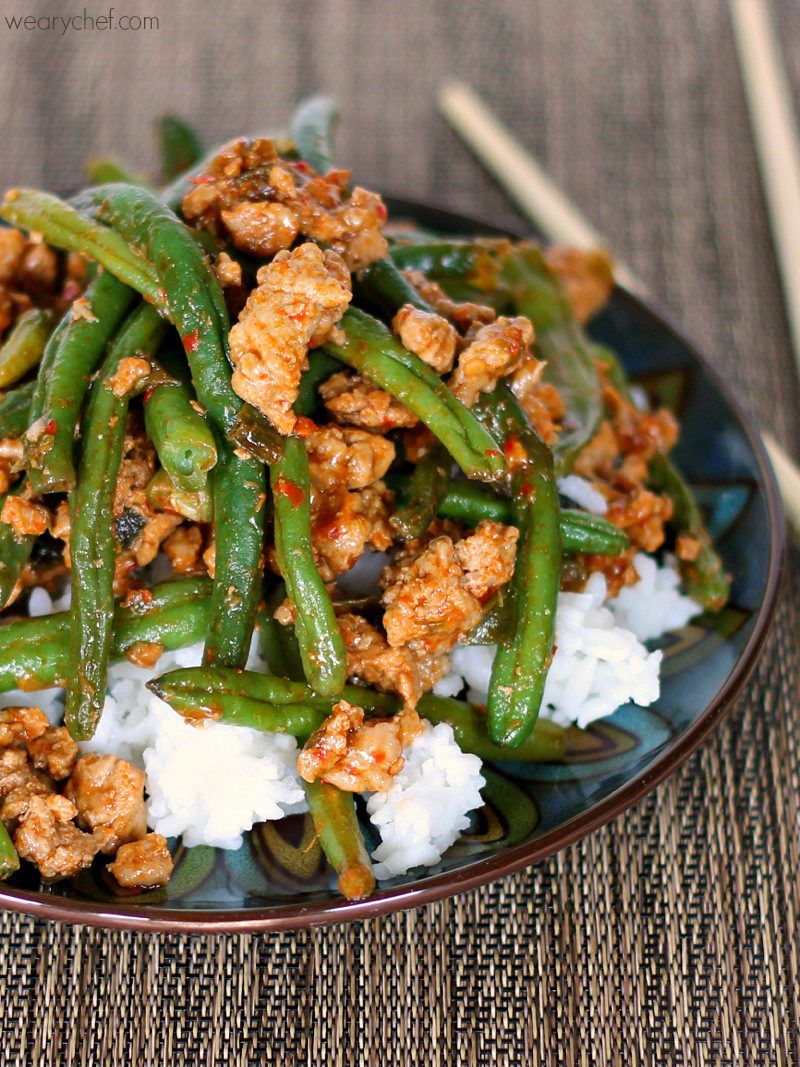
(526, 489)
(202, 179)
(51, 427)
(304, 427)
(147, 394)
(381, 212)
(511, 445)
(191, 341)
(291, 490)
(302, 166)
(493, 452)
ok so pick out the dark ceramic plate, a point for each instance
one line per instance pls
(278, 879)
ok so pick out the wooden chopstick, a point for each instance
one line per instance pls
(560, 221)
(777, 144)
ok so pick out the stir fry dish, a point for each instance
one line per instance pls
(307, 510)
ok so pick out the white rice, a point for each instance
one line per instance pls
(427, 805)
(597, 665)
(582, 493)
(210, 784)
(655, 605)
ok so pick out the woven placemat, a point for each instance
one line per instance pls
(670, 936)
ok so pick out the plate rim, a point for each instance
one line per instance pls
(429, 889)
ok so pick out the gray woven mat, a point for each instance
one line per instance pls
(671, 936)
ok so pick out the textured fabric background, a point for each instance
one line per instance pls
(669, 937)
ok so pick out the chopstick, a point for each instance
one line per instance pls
(560, 221)
(777, 144)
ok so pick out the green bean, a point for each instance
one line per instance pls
(239, 490)
(382, 286)
(320, 367)
(61, 225)
(321, 644)
(164, 495)
(23, 347)
(104, 169)
(426, 491)
(182, 438)
(15, 409)
(469, 503)
(705, 576)
(278, 642)
(336, 823)
(194, 303)
(451, 260)
(312, 126)
(179, 145)
(375, 352)
(92, 546)
(520, 667)
(266, 702)
(9, 860)
(190, 296)
(34, 652)
(73, 354)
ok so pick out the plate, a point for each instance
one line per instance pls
(279, 880)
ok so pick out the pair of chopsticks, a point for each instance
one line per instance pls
(561, 222)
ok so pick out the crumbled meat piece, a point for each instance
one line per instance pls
(12, 246)
(687, 548)
(431, 600)
(131, 371)
(343, 457)
(463, 313)
(183, 549)
(82, 309)
(616, 463)
(158, 527)
(19, 726)
(24, 516)
(356, 401)
(18, 783)
(427, 605)
(130, 499)
(261, 228)
(392, 670)
(145, 653)
(357, 756)
(109, 795)
(494, 351)
(487, 557)
(54, 752)
(228, 271)
(344, 524)
(143, 864)
(587, 277)
(300, 296)
(38, 269)
(263, 202)
(542, 402)
(48, 837)
(31, 273)
(428, 336)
